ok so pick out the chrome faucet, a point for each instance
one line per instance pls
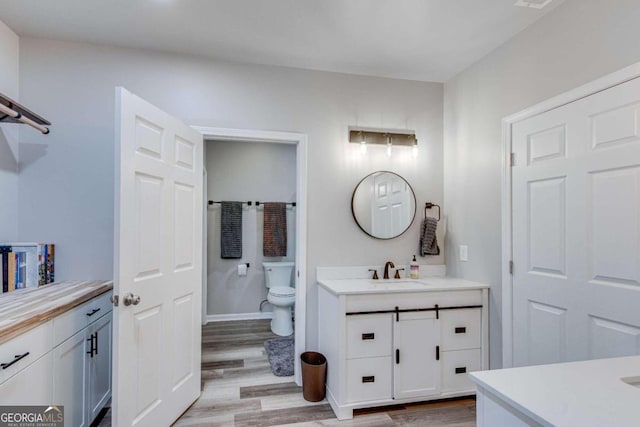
(386, 269)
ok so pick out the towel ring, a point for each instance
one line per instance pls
(430, 205)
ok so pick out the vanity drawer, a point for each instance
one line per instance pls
(368, 335)
(67, 324)
(461, 328)
(25, 349)
(456, 366)
(369, 379)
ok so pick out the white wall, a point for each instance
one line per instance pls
(578, 42)
(9, 65)
(243, 171)
(73, 85)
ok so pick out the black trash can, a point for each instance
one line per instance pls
(314, 373)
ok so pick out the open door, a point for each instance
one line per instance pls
(158, 264)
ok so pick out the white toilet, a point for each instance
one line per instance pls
(281, 295)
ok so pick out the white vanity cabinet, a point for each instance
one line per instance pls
(392, 346)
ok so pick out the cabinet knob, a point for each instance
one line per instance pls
(130, 299)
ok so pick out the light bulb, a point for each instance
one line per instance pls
(389, 150)
(363, 147)
(414, 150)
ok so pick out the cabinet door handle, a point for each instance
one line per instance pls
(96, 342)
(461, 370)
(17, 358)
(369, 336)
(369, 379)
(94, 311)
(437, 352)
(397, 356)
(90, 352)
(462, 330)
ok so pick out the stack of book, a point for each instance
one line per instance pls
(26, 265)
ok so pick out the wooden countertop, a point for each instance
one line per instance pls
(25, 309)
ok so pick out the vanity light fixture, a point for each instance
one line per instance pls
(387, 137)
(363, 143)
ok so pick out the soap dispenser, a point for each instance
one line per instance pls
(414, 269)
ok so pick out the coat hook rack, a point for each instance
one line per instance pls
(430, 205)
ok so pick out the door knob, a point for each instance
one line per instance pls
(131, 299)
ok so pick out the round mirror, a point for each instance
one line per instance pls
(383, 205)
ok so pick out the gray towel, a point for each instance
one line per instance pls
(231, 230)
(428, 241)
(275, 229)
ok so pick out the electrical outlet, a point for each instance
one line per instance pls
(464, 253)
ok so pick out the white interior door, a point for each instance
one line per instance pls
(158, 258)
(392, 207)
(576, 230)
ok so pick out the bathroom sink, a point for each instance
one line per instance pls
(632, 381)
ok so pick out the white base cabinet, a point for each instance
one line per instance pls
(65, 361)
(385, 349)
(82, 362)
(30, 386)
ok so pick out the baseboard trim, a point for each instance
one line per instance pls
(238, 316)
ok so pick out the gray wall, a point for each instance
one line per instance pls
(72, 176)
(9, 65)
(578, 42)
(243, 171)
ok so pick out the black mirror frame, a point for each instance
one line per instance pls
(415, 207)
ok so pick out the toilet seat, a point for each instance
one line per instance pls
(282, 291)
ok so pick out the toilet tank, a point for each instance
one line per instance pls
(277, 273)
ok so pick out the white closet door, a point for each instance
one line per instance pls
(158, 259)
(576, 230)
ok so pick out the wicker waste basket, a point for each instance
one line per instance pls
(314, 373)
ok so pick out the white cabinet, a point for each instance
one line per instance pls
(30, 386)
(99, 366)
(70, 379)
(391, 348)
(416, 371)
(82, 362)
(368, 356)
(25, 368)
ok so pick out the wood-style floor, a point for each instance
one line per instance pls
(240, 390)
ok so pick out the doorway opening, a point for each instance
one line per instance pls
(261, 140)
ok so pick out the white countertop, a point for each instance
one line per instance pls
(370, 286)
(585, 394)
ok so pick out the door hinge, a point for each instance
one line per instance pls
(511, 267)
(512, 159)
(114, 300)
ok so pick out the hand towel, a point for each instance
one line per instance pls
(231, 230)
(428, 241)
(275, 230)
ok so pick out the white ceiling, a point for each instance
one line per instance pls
(430, 40)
